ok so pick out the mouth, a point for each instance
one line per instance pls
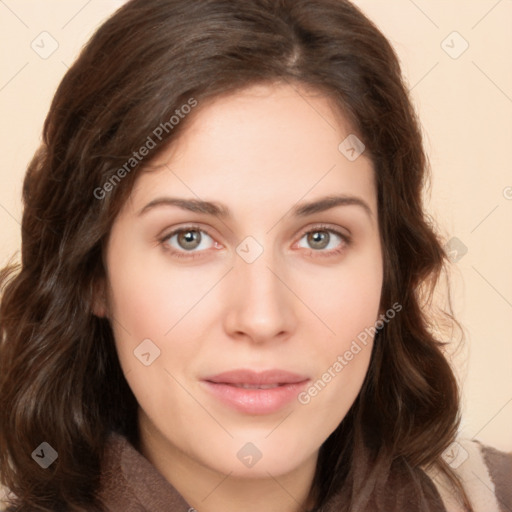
(253, 386)
(253, 392)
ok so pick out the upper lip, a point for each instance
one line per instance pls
(246, 376)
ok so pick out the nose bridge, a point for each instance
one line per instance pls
(261, 283)
(260, 306)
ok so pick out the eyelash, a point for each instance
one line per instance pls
(346, 241)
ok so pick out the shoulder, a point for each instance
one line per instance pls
(485, 473)
(499, 466)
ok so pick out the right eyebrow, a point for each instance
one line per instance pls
(192, 205)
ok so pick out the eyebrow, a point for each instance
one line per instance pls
(219, 210)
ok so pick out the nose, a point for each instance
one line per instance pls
(260, 307)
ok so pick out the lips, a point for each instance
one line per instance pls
(253, 392)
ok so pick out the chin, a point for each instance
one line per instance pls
(257, 457)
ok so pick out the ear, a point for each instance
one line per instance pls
(99, 298)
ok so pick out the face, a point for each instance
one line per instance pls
(237, 291)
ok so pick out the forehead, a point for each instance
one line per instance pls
(262, 146)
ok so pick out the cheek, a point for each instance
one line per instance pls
(148, 297)
(148, 315)
(342, 365)
(349, 307)
(348, 299)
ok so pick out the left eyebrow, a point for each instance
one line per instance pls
(326, 203)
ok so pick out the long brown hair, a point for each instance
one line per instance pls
(60, 379)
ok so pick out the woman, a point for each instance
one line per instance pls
(225, 267)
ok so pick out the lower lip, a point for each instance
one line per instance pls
(255, 401)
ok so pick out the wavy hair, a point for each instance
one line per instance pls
(60, 378)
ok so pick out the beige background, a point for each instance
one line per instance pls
(465, 104)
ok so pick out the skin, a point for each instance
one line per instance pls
(297, 307)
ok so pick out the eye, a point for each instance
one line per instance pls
(324, 240)
(189, 239)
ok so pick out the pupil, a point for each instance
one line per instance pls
(319, 239)
(189, 239)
